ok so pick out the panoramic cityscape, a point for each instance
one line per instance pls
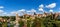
(29, 13)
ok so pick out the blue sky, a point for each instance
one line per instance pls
(15, 5)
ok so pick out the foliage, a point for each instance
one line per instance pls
(48, 21)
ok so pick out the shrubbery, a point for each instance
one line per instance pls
(37, 22)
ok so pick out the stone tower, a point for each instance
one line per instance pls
(17, 17)
(17, 20)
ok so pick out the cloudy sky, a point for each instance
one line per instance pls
(8, 7)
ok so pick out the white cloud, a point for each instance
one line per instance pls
(9, 15)
(1, 11)
(50, 10)
(1, 7)
(41, 5)
(51, 5)
(33, 10)
(13, 12)
(41, 9)
(45, 11)
(28, 11)
(4, 13)
(22, 10)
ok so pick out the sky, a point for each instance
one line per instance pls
(8, 7)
